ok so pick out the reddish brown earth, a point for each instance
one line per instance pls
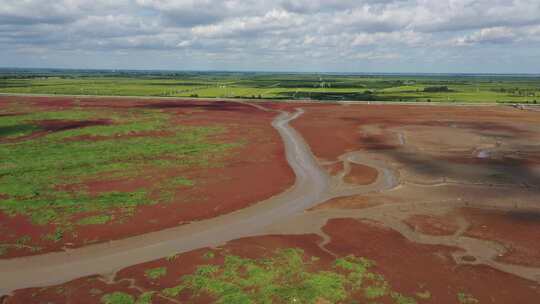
(429, 146)
(361, 175)
(258, 165)
(411, 267)
(332, 130)
(518, 231)
(408, 267)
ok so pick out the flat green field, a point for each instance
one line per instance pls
(410, 88)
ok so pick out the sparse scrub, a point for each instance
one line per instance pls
(287, 276)
(118, 298)
(173, 291)
(155, 273)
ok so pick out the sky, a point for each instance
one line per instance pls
(407, 36)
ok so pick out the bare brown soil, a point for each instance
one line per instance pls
(258, 165)
(361, 175)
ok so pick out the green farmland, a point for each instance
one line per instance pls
(406, 88)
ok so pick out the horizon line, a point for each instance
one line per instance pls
(3, 68)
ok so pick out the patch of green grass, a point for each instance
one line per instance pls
(171, 186)
(209, 255)
(145, 298)
(124, 298)
(155, 273)
(287, 276)
(376, 291)
(117, 298)
(95, 220)
(173, 291)
(465, 298)
(327, 285)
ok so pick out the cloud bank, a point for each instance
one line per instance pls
(302, 35)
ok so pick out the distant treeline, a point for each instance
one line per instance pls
(436, 89)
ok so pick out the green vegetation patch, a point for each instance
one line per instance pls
(124, 298)
(288, 276)
(145, 298)
(209, 255)
(155, 273)
(43, 178)
(173, 291)
(95, 220)
(118, 298)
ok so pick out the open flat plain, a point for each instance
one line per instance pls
(126, 200)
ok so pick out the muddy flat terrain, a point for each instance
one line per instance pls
(404, 204)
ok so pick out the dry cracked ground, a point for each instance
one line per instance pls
(428, 204)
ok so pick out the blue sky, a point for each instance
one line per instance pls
(471, 36)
